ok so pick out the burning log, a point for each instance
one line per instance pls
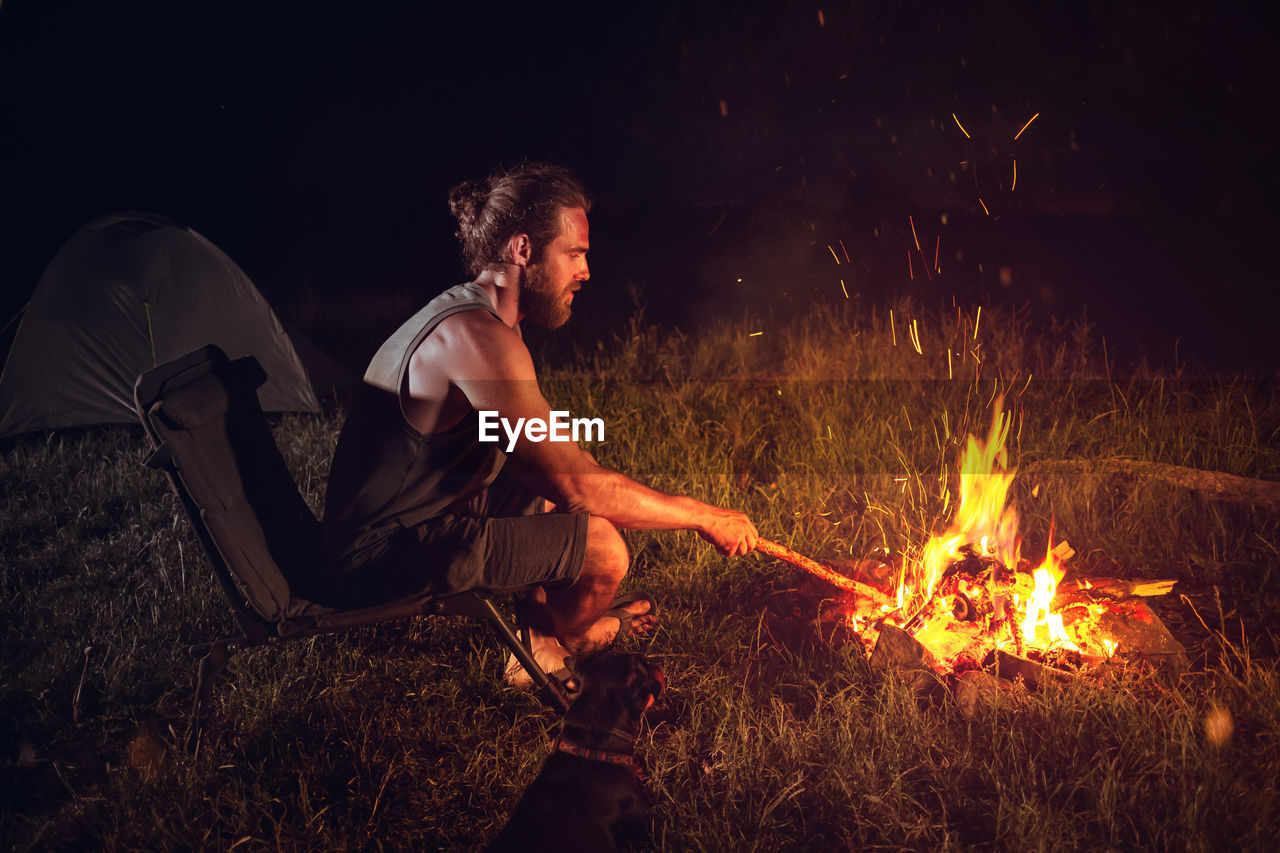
(1116, 589)
(773, 549)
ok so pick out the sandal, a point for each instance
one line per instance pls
(618, 610)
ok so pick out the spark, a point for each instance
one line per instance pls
(1024, 387)
(915, 337)
(846, 251)
(833, 254)
(1014, 185)
(892, 333)
(949, 376)
(923, 262)
(910, 269)
(842, 287)
(1025, 126)
(976, 321)
(936, 247)
(755, 334)
(984, 207)
(961, 126)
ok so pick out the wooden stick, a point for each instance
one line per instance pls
(781, 552)
(1213, 484)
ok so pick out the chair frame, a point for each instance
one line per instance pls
(241, 378)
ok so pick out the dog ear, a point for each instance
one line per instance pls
(593, 664)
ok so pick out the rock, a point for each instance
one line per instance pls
(1013, 668)
(1137, 631)
(896, 649)
(899, 652)
(979, 692)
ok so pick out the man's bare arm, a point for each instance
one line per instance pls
(490, 364)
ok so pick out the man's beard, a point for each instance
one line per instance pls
(541, 304)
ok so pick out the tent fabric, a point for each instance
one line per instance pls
(125, 293)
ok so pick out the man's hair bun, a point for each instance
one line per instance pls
(466, 200)
(525, 200)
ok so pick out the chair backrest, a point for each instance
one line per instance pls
(213, 442)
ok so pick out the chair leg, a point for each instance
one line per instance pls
(522, 619)
(522, 648)
(477, 606)
(213, 661)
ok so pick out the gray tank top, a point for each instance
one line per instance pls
(386, 475)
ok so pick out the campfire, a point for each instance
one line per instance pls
(969, 601)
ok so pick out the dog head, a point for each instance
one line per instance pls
(617, 688)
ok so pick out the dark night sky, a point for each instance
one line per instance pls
(315, 142)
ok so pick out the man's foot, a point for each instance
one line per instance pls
(634, 614)
(548, 654)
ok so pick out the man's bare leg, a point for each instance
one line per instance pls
(546, 649)
(574, 615)
(576, 612)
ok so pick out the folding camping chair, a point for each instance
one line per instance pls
(209, 436)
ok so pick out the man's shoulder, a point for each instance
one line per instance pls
(474, 344)
(423, 331)
(476, 327)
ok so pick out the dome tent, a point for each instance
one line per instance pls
(126, 292)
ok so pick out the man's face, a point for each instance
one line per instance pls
(547, 287)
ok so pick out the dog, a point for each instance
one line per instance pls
(589, 793)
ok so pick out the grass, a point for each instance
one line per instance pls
(838, 438)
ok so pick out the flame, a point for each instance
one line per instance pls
(982, 521)
(938, 553)
(984, 492)
(1038, 612)
(1010, 605)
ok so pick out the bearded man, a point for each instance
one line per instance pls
(417, 502)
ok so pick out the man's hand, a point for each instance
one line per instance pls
(730, 531)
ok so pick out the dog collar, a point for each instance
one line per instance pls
(622, 759)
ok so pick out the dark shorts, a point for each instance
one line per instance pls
(498, 540)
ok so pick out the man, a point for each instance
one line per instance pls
(416, 501)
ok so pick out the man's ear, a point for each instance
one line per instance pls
(519, 250)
